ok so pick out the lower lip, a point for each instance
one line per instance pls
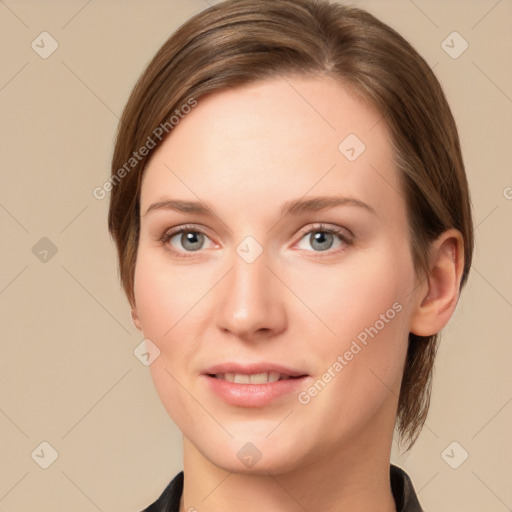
(254, 395)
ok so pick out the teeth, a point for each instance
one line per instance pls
(256, 378)
(274, 376)
(262, 378)
(259, 378)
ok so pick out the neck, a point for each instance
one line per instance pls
(354, 478)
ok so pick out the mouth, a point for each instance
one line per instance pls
(255, 378)
(254, 385)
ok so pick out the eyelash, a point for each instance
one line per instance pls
(167, 235)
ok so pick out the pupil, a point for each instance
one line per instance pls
(190, 238)
(320, 237)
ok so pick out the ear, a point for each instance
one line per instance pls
(438, 297)
(135, 318)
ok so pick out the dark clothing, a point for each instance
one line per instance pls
(401, 486)
(403, 491)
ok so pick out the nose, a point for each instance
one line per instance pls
(250, 300)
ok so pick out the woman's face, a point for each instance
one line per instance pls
(239, 282)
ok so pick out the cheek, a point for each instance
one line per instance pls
(351, 297)
(171, 301)
(368, 310)
(365, 307)
(165, 293)
(165, 300)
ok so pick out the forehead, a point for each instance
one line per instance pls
(288, 136)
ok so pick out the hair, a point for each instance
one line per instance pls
(237, 42)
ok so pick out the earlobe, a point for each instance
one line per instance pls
(437, 304)
(135, 319)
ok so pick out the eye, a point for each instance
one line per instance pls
(322, 238)
(185, 239)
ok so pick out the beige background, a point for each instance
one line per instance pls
(68, 374)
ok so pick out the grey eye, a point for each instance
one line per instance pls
(321, 240)
(191, 240)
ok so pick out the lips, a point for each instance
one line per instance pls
(255, 378)
(254, 385)
(253, 369)
(256, 373)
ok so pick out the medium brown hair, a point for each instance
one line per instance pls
(241, 41)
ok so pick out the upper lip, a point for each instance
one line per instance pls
(253, 368)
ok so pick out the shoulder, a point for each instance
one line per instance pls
(169, 500)
(403, 491)
(401, 486)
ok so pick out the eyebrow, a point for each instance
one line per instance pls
(295, 207)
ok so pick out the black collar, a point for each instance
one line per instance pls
(401, 486)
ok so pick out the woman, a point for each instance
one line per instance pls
(293, 225)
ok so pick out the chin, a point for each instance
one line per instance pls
(271, 462)
(256, 454)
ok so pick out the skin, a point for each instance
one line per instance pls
(245, 152)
